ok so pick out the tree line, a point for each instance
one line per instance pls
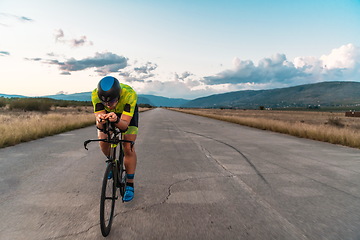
(44, 104)
(38, 104)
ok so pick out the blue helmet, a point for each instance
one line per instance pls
(109, 89)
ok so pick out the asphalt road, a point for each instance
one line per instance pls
(197, 178)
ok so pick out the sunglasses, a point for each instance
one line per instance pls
(109, 103)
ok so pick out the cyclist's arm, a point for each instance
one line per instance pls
(124, 122)
(121, 123)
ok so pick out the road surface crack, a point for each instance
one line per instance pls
(237, 150)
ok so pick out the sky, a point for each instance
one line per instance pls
(177, 49)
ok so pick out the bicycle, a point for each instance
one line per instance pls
(116, 168)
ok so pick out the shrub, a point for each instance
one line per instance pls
(334, 121)
(145, 105)
(2, 102)
(31, 104)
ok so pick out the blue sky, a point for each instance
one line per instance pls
(180, 49)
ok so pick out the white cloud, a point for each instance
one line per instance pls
(273, 72)
(172, 89)
(347, 56)
(277, 71)
(274, 69)
(138, 72)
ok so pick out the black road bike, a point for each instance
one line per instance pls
(114, 177)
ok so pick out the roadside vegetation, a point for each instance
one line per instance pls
(332, 127)
(27, 119)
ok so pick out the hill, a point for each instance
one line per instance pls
(156, 101)
(162, 101)
(11, 96)
(324, 94)
(84, 96)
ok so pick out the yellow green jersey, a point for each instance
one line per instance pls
(126, 104)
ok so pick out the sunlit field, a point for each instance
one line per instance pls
(20, 126)
(322, 126)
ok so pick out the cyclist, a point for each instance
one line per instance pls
(117, 102)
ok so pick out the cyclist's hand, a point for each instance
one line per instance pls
(112, 117)
(100, 118)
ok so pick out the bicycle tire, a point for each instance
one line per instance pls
(107, 201)
(122, 178)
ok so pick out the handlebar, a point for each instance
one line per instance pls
(109, 128)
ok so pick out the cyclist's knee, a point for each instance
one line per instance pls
(128, 150)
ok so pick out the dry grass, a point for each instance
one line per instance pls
(19, 126)
(322, 126)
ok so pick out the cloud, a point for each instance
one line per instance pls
(184, 85)
(7, 19)
(183, 76)
(25, 19)
(59, 34)
(4, 53)
(103, 63)
(80, 42)
(137, 72)
(146, 69)
(61, 92)
(341, 64)
(274, 69)
(346, 57)
(33, 59)
(60, 37)
(172, 89)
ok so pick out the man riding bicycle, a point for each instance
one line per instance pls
(117, 102)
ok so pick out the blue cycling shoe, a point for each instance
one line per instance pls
(129, 194)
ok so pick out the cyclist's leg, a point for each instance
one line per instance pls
(130, 158)
(130, 161)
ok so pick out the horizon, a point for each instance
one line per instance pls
(181, 49)
(67, 94)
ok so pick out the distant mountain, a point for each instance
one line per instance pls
(324, 94)
(144, 99)
(11, 96)
(156, 101)
(161, 101)
(84, 96)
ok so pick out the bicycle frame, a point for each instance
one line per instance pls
(118, 177)
(114, 138)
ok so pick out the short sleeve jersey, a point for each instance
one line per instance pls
(126, 104)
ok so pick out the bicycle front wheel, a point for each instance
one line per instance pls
(107, 202)
(122, 179)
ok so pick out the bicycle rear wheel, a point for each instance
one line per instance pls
(107, 202)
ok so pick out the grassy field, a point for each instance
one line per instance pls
(20, 126)
(322, 126)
